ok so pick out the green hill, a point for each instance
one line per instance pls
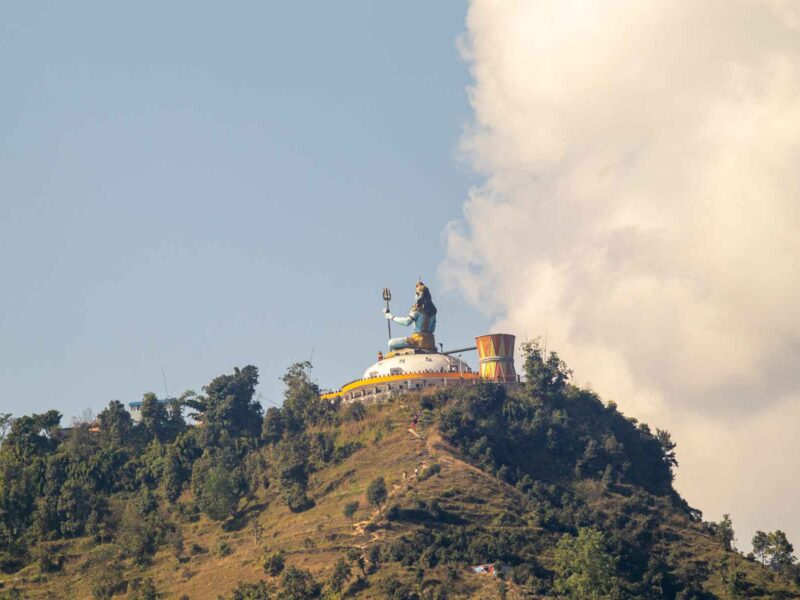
(561, 493)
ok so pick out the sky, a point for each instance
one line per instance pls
(186, 188)
(191, 188)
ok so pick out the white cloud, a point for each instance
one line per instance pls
(642, 207)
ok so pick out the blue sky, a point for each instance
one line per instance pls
(191, 187)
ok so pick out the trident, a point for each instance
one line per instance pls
(387, 295)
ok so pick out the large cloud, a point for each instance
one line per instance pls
(642, 208)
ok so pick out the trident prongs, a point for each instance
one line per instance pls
(387, 295)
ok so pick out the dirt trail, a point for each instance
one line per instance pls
(397, 488)
(415, 434)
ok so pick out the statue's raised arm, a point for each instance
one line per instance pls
(423, 317)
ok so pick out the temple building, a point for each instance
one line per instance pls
(413, 363)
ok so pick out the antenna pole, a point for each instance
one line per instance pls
(164, 376)
(387, 295)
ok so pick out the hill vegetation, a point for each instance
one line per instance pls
(554, 492)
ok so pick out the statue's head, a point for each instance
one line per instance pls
(423, 301)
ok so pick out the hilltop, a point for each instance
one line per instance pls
(560, 492)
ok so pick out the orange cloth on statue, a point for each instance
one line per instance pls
(423, 341)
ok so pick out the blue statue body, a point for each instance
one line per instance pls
(423, 317)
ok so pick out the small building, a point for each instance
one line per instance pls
(135, 409)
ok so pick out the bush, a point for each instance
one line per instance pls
(394, 590)
(346, 450)
(142, 528)
(144, 590)
(48, 560)
(219, 495)
(350, 509)
(430, 471)
(223, 549)
(107, 582)
(583, 566)
(341, 574)
(196, 549)
(273, 564)
(251, 591)
(355, 411)
(376, 492)
(298, 584)
(296, 498)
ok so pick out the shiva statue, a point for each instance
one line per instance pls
(423, 317)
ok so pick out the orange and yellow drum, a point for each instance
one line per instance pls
(496, 357)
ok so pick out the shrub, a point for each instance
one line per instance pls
(346, 450)
(174, 539)
(394, 590)
(350, 509)
(294, 494)
(218, 496)
(196, 549)
(341, 574)
(273, 564)
(48, 560)
(251, 591)
(298, 584)
(376, 492)
(430, 471)
(355, 411)
(107, 582)
(144, 590)
(584, 568)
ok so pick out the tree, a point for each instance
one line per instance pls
(354, 555)
(291, 470)
(145, 590)
(228, 407)
(5, 425)
(217, 486)
(760, 546)
(376, 492)
(545, 377)
(584, 568)
(667, 448)
(142, 528)
(780, 551)
(341, 574)
(350, 509)
(250, 591)
(33, 435)
(154, 417)
(272, 428)
(173, 474)
(116, 424)
(273, 564)
(107, 582)
(301, 402)
(355, 411)
(733, 579)
(298, 584)
(374, 556)
(724, 533)
(74, 505)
